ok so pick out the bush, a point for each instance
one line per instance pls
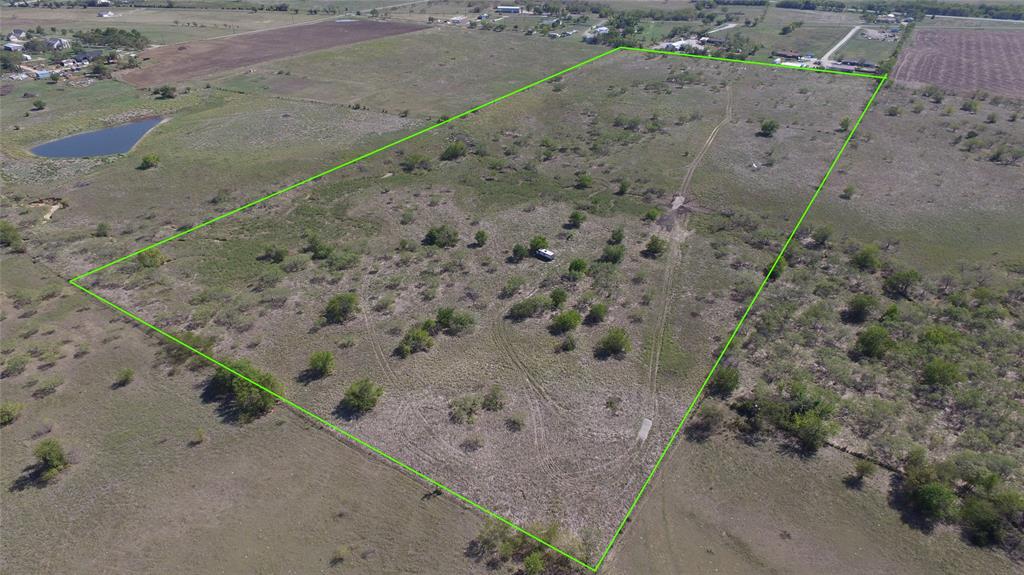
(362, 396)
(866, 259)
(250, 401)
(414, 162)
(864, 468)
(597, 313)
(321, 363)
(617, 236)
(583, 181)
(149, 161)
(342, 308)
(576, 219)
(558, 297)
(519, 251)
(873, 342)
(453, 322)
(708, 420)
(652, 215)
(768, 128)
(38, 105)
(615, 343)
(480, 238)
(577, 268)
(51, 457)
(10, 238)
(516, 422)
(494, 399)
(463, 409)
(511, 287)
(940, 374)
(564, 322)
(151, 258)
(442, 236)
(317, 248)
(415, 340)
(724, 382)
(529, 307)
(9, 411)
(655, 247)
(454, 151)
(538, 243)
(165, 92)
(934, 500)
(124, 377)
(275, 254)
(613, 253)
(102, 230)
(899, 283)
(15, 365)
(859, 308)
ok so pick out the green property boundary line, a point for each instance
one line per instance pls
(402, 465)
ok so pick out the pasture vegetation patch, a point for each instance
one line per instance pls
(612, 338)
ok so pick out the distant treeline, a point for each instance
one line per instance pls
(113, 38)
(826, 5)
(916, 8)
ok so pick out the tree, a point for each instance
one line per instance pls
(10, 237)
(519, 251)
(565, 322)
(934, 500)
(362, 396)
(151, 258)
(342, 308)
(480, 238)
(899, 283)
(768, 128)
(576, 219)
(725, 381)
(443, 236)
(166, 92)
(656, 246)
(873, 342)
(597, 313)
(454, 151)
(38, 104)
(615, 343)
(321, 363)
(866, 259)
(538, 243)
(51, 458)
(859, 308)
(251, 401)
(940, 374)
(149, 161)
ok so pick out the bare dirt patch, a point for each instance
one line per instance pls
(965, 60)
(205, 58)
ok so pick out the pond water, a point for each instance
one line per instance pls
(116, 140)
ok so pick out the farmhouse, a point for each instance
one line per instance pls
(17, 34)
(509, 10)
(87, 56)
(58, 44)
(787, 54)
(13, 47)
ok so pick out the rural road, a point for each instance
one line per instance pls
(720, 28)
(827, 58)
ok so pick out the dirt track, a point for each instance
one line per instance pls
(180, 62)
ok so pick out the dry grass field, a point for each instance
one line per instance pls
(962, 60)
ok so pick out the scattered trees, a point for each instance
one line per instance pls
(613, 253)
(529, 307)
(464, 409)
(415, 340)
(453, 322)
(124, 377)
(362, 396)
(538, 243)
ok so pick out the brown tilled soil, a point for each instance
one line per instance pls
(179, 62)
(965, 60)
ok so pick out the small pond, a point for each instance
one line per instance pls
(116, 140)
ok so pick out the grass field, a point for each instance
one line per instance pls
(818, 32)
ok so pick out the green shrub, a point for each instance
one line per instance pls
(615, 343)
(102, 230)
(873, 342)
(577, 268)
(899, 283)
(454, 151)
(51, 458)
(275, 254)
(362, 396)
(940, 374)
(494, 399)
(480, 238)
(768, 128)
(321, 363)
(124, 377)
(656, 246)
(15, 365)
(443, 236)
(724, 382)
(859, 308)
(564, 322)
(317, 248)
(618, 235)
(250, 401)
(464, 409)
(576, 219)
(529, 307)
(415, 340)
(454, 322)
(9, 411)
(867, 259)
(342, 308)
(149, 161)
(10, 238)
(151, 258)
(597, 313)
(613, 253)
(538, 243)
(414, 162)
(558, 297)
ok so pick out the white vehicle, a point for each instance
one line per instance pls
(545, 254)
